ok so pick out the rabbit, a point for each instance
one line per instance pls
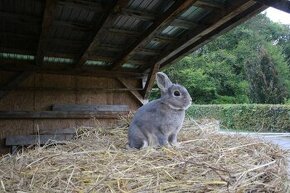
(158, 122)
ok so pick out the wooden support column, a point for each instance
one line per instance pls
(135, 93)
(150, 80)
(168, 16)
(111, 15)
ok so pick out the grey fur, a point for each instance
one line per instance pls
(158, 122)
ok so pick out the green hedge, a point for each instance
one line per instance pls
(250, 117)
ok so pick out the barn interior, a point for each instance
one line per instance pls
(71, 63)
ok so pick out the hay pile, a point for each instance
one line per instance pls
(98, 162)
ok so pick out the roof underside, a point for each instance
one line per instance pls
(124, 37)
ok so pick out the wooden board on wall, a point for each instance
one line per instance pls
(41, 100)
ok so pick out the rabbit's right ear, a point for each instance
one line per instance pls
(163, 81)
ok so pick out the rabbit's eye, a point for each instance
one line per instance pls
(176, 93)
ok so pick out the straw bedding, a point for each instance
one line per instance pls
(97, 161)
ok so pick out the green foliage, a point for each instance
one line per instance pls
(220, 72)
(251, 117)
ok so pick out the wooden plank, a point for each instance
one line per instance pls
(37, 139)
(57, 131)
(101, 29)
(91, 108)
(73, 89)
(135, 93)
(282, 5)
(13, 83)
(150, 80)
(48, 17)
(139, 14)
(168, 16)
(209, 5)
(59, 115)
(28, 66)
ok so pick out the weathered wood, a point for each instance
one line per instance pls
(57, 131)
(107, 19)
(282, 5)
(90, 108)
(72, 89)
(23, 140)
(150, 80)
(135, 93)
(48, 17)
(184, 24)
(209, 5)
(28, 66)
(139, 14)
(13, 83)
(178, 7)
(59, 115)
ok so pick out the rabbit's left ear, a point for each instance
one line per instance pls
(163, 81)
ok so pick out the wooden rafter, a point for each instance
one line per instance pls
(111, 14)
(282, 5)
(178, 7)
(28, 66)
(48, 17)
(13, 83)
(209, 5)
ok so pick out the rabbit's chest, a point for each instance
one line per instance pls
(172, 121)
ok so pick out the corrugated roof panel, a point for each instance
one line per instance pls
(193, 13)
(16, 56)
(58, 60)
(172, 31)
(74, 14)
(155, 45)
(130, 66)
(130, 23)
(97, 63)
(151, 5)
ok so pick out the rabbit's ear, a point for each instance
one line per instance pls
(163, 81)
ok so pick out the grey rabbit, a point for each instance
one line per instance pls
(158, 122)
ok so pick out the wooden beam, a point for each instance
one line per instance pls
(139, 14)
(135, 93)
(28, 66)
(13, 83)
(90, 108)
(59, 115)
(24, 140)
(111, 15)
(48, 17)
(184, 24)
(282, 5)
(167, 17)
(150, 80)
(209, 5)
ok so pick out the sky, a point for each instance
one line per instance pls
(278, 16)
